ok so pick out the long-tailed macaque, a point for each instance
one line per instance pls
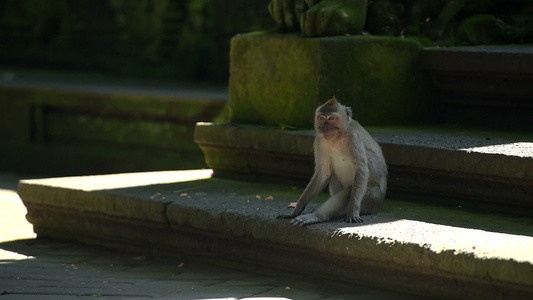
(350, 160)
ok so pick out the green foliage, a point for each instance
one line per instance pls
(167, 39)
(444, 22)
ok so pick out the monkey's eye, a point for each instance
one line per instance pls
(331, 118)
(322, 118)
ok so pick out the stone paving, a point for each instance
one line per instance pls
(34, 268)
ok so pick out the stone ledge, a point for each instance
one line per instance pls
(418, 248)
(486, 85)
(481, 166)
(80, 124)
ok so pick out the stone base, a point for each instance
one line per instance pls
(281, 79)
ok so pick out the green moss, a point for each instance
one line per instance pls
(282, 79)
(274, 79)
(374, 75)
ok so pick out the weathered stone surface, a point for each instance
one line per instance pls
(54, 123)
(481, 166)
(488, 85)
(281, 79)
(420, 248)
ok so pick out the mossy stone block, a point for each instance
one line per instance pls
(281, 79)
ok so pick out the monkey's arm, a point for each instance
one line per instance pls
(316, 185)
(358, 192)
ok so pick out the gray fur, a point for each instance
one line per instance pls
(351, 162)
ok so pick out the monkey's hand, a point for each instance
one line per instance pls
(334, 17)
(287, 13)
(306, 220)
(354, 218)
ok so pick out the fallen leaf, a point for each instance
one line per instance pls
(184, 194)
(292, 204)
(181, 265)
(294, 188)
(269, 198)
(287, 288)
(257, 197)
(73, 266)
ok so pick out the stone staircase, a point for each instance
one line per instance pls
(421, 248)
(472, 141)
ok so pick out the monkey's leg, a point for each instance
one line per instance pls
(333, 207)
(358, 191)
(335, 185)
(316, 185)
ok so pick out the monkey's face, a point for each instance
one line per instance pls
(327, 125)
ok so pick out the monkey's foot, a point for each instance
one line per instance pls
(353, 219)
(305, 220)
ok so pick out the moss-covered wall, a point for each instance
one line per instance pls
(281, 79)
(168, 39)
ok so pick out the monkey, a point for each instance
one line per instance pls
(350, 161)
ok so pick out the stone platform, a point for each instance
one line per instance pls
(421, 248)
(481, 169)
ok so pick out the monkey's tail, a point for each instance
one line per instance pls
(373, 199)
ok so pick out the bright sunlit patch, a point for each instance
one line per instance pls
(13, 223)
(439, 238)
(118, 181)
(8, 256)
(253, 298)
(521, 149)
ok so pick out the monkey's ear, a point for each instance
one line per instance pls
(332, 101)
(349, 112)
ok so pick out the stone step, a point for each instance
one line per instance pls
(420, 248)
(76, 123)
(481, 169)
(484, 85)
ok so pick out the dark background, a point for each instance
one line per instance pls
(185, 40)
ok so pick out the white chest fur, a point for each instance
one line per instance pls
(342, 166)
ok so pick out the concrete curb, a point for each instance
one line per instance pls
(416, 248)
